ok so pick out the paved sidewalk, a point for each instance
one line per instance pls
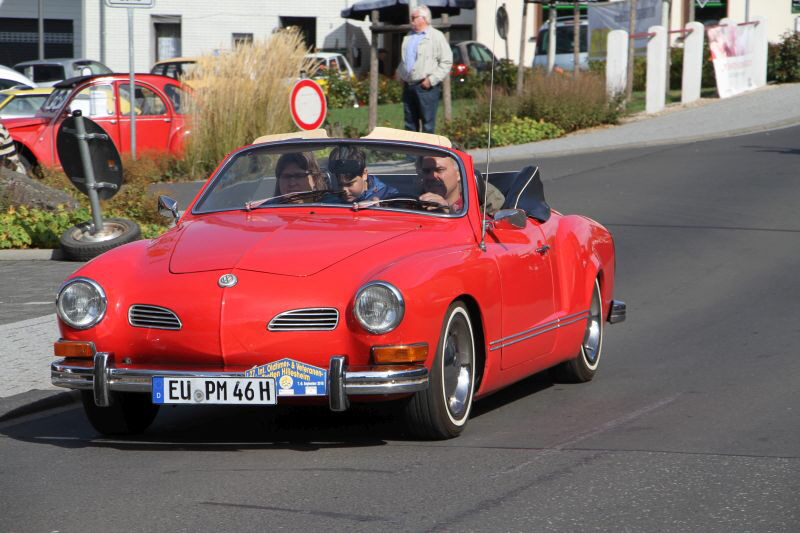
(26, 351)
(766, 108)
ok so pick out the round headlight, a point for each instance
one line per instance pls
(379, 307)
(81, 303)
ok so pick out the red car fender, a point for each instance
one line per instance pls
(431, 281)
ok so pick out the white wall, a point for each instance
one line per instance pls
(780, 18)
(206, 25)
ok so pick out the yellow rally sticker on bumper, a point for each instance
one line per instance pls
(293, 377)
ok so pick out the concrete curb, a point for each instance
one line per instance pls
(498, 154)
(35, 401)
(35, 254)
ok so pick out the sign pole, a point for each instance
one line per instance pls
(132, 92)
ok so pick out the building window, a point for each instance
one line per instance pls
(307, 26)
(167, 31)
(242, 38)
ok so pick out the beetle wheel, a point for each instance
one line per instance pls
(583, 367)
(441, 411)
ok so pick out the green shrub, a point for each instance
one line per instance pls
(21, 227)
(339, 91)
(783, 64)
(708, 78)
(517, 130)
(569, 102)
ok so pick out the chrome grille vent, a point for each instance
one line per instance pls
(312, 319)
(152, 316)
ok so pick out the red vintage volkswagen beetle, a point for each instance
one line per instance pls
(337, 271)
(159, 106)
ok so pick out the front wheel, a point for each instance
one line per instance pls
(79, 244)
(130, 413)
(583, 367)
(441, 411)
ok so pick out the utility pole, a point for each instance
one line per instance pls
(631, 42)
(691, 10)
(576, 38)
(41, 29)
(551, 37)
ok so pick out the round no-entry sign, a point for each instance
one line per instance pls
(308, 105)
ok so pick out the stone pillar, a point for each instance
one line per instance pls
(656, 69)
(692, 75)
(617, 62)
(759, 50)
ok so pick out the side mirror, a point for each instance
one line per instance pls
(510, 218)
(167, 207)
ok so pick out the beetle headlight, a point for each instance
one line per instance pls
(81, 303)
(379, 307)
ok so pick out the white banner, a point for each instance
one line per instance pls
(732, 53)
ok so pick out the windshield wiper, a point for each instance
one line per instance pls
(290, 197)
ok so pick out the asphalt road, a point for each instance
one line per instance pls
(691, 424)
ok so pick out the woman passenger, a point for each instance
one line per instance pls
(298, 172)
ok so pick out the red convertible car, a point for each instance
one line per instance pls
(159, 106)
(333, 271)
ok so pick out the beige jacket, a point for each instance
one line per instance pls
(434, 59)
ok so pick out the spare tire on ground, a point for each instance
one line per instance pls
(78, 244)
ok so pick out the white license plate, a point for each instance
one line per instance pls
(241, 391)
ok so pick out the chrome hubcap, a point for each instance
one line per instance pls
(593, 335)
(110, 230)
(457, 362)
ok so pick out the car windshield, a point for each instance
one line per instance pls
(338, 174)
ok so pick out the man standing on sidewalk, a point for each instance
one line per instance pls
(426, 60)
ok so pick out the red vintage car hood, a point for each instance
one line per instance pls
(290, 243)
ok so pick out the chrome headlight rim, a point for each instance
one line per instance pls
(103, 303)
(400, 302)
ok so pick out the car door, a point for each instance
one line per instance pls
(526, 276)
(153, 118)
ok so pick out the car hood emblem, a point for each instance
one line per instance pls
(227, 280)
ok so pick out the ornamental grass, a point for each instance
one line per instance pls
(240, 95)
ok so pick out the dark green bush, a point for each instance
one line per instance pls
(783, 64)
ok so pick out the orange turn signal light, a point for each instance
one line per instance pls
(400, 353)
(74, 349)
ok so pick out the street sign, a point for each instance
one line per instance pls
(501, 21)
(131, 3)
(701, 3)
(106, 168)
(308, 105)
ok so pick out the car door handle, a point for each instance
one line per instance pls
(112, 121)
(542, 249)
(167, 120)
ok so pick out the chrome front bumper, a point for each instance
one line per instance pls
(102, 377)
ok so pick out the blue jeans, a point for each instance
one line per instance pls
(419, 105)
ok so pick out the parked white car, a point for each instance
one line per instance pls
(48, 72)
(565, 36)
(331, 61)
(11, 79)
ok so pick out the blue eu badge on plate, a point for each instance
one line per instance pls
(293, 378)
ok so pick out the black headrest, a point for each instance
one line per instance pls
(527, 193)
